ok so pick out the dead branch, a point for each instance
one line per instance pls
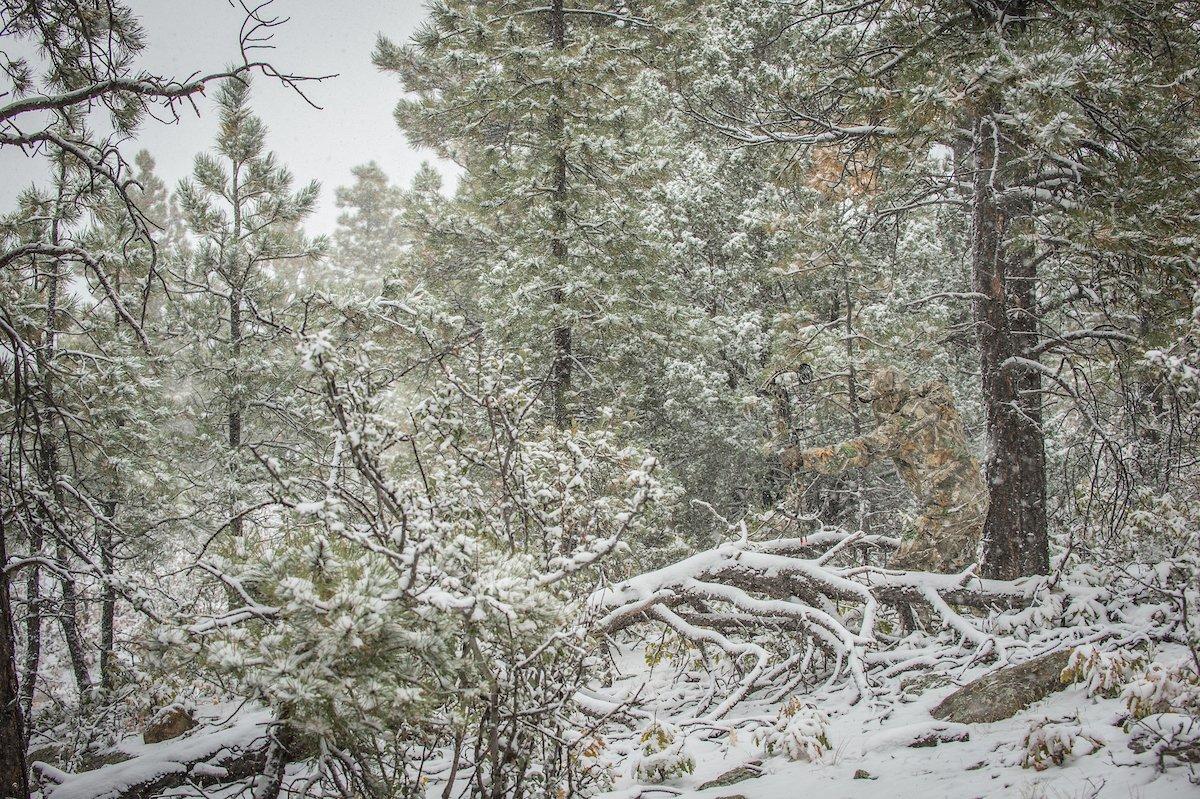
(725, 596)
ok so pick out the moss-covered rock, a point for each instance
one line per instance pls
(1004, 693)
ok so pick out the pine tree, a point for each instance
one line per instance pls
(1037, 104)
(370, 239)
(128, 411)
(81, 67)
(541, 106)
(242, 211)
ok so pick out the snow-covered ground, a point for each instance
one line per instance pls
(869, 752)
(205, 754)
(871, 740)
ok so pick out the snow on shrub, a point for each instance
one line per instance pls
(591, 763)
(1103, 673)
(444, 608)
(1081, 597)
(1163, 688)
(801, 732)
(1051, 742)
(662, 754)
(1173, 735)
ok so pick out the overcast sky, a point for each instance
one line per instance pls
(322, 36)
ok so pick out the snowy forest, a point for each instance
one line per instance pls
(762, 399)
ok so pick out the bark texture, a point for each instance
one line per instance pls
(561, 367)
(1005, 279)
(14, 780)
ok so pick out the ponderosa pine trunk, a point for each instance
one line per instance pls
(33, 625)
(108, 597)
(1004, 278)
(14, 780)
(560, 376)
(68, 612)
(236, 278)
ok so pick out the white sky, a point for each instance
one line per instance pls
(322, 36)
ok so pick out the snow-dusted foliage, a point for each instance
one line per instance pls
(801, 732)
(1050, 742)
(1102, 672)
(1164, 688)
(448, 596)
(662, 754)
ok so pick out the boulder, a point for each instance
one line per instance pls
(742, 773)
(1004, 693)
(170, 722)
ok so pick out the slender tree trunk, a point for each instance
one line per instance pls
(562, 334)
(68, 618)
(14, 779)
(69, 609)
(33, 626)
(236, 279)
(235, 408)
(269, 783)
(1005, 283)
(108, 599)
(856, 425)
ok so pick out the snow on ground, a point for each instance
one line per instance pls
(221, 738)
(869, 757)
(873, 737)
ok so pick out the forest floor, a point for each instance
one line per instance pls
(870, 753)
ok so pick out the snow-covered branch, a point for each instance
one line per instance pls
(788, 584)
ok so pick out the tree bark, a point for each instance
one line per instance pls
(14, 779)
(108, 597)
(68, 612)
(1004, 277)
(269, 782)
(68, 618)
(562, 334)
(236, 279)
(1026, 416)
(33, 626)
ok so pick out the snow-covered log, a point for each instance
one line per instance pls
(723, 596)
(207, 756)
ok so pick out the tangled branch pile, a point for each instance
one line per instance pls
(796, 611)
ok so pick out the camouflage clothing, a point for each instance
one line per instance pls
(920, 430)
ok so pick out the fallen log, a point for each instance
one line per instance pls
(214, 755)
(788, 585)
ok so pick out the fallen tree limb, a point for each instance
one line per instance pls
(724, 596)
(205, 757)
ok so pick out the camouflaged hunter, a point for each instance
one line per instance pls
(920, 430)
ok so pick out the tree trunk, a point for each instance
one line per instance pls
(269, 782)
(1005, 282)
(560, 370)
(68, 617)
(33, 626)
(14, 780)
(68, 612)
(236, 279)
(1027, 417)
(235, 409)
(108, 597)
